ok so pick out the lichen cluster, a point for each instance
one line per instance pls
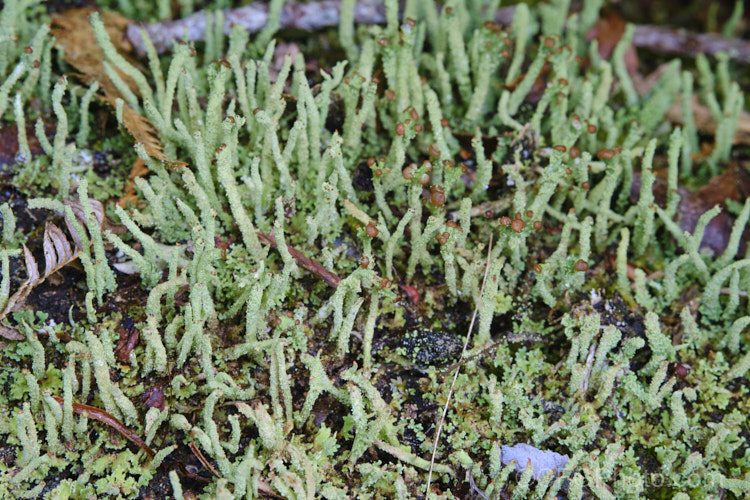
(604, 331)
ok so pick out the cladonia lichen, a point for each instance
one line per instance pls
(283, 217)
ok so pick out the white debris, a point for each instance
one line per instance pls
(542, 461)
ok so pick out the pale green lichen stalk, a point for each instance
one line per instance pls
(605, 331)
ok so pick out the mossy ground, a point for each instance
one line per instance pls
(236, 368)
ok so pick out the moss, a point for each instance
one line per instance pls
(279, 381)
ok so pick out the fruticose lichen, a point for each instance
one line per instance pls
(295, 233)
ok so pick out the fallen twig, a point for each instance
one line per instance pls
(685, 43)
(325, 13)
(305, 262)
(302, 16)
(202, 459)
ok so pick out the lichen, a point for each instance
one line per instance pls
(605, 331)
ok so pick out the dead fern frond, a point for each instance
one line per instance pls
(57, 250)
(73, 33)
(142, 130)
(58, 253)
(97, 208)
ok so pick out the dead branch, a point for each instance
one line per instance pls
(672, 41)
(685, 43)
(302, 16)
(326, 13)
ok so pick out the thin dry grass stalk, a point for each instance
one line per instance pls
(457, 370)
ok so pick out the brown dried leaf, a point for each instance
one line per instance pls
(139, 169)
(732, 184)
(31, 267)
(705, 122)
(607, 31)
(58, 253)
(129, 336)
(16, 300)
(98, 210)
(74, 34)
(57, 250)
(10, 333)
(143, 132)
(153, 397)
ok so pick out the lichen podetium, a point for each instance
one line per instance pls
(280, 239)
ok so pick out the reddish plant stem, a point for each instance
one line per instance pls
(202, 459)
(306, 263)
(106, 418)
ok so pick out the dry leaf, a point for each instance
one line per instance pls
(139, 169)
(57, 250)
(143, 132)
(732, 184)
(704, 120)
(10, 333)
(98, 210)
(607, 31)
(73, 33)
